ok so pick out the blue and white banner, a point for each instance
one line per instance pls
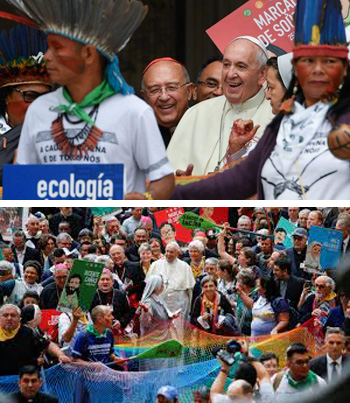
(63, 182)
(323, 249)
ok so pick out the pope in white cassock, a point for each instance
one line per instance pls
(178, 280)
(202, 136)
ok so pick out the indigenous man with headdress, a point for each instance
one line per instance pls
(23, 78)
(93, 118)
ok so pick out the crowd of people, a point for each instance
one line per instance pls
(270, 125)
(236, 281)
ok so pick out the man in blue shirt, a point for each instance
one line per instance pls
(95, 342)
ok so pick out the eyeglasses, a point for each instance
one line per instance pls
(170, 89)
(30, 96)
(320, 286)
(212, 84)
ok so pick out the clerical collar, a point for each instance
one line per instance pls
(250, 103)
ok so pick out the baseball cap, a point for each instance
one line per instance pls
(61, 269)
(39, 215)
(299, 232)
(169, 392)
(211, 234)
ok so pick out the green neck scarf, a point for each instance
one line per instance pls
(310, 380)
(95, 97)
(91, 329)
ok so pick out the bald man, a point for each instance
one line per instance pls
(202, 137)
(167, 88)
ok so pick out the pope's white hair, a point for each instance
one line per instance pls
(175, 244)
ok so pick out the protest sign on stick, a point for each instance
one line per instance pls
(172, 216)
(49, 323)
(288, 227)
(191, 220)
(80, 287)
(323, 249)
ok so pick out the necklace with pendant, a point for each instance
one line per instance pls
(82, 142)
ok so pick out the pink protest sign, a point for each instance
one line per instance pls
(269, 20)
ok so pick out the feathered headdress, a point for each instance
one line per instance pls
(21, 57)
(106, 24)
(319, 29)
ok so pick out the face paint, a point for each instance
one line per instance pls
(64, 52)
(318, 76)
(15, 104)
(16, 111)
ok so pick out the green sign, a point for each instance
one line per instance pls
(168, 349)
(103, 211)
(289, 228)
(80, 286)
(191, 220)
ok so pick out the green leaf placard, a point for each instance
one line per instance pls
(168, 349)
(191, 220)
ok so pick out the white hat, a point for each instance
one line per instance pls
(254, 40)
(285, 68)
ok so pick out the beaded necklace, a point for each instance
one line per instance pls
(82, 142)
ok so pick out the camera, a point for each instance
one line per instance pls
(228, 354)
